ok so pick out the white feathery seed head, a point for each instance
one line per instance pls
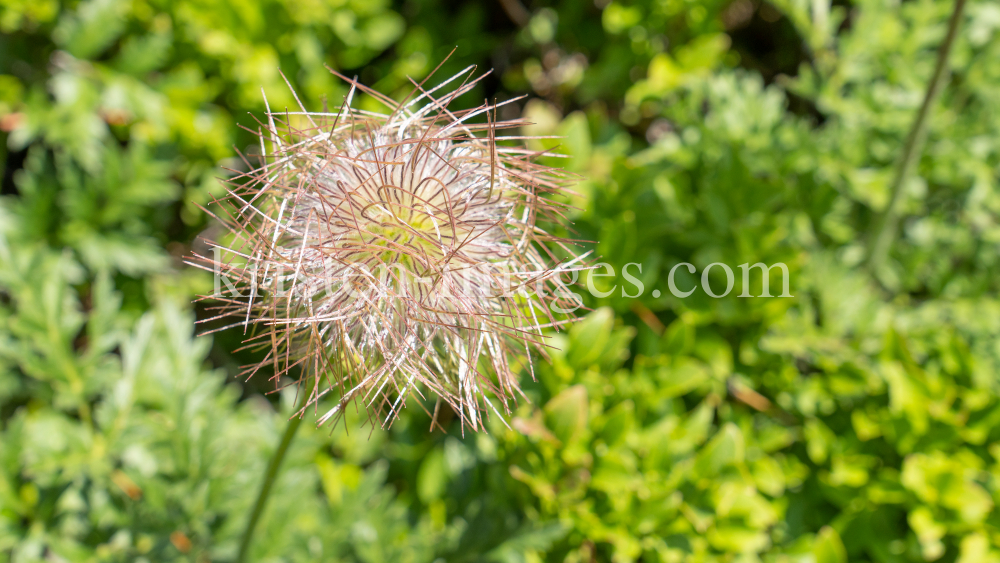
(378, 255)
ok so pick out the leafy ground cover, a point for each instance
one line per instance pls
(855, 421)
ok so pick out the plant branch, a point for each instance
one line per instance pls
(270, 476)
(884, 228)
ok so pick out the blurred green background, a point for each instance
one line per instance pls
(857, 421)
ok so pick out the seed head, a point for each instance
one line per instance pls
(385, 254)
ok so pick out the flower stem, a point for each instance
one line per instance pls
(269, 477)
(884, 228)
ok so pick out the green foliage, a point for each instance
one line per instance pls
(855, 421)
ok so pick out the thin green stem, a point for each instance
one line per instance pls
(884, 227)
(269, 477)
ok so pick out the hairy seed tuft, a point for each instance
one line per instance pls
(385, 254)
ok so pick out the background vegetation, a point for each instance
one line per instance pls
(857, 421)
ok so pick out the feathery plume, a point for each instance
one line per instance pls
(385, 254)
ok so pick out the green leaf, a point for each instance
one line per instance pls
(618, 423)
(566, 414)
(432, 477)
(92, 28)
(589, 336)
(828, 547)
(726, 448)
(681, 377)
